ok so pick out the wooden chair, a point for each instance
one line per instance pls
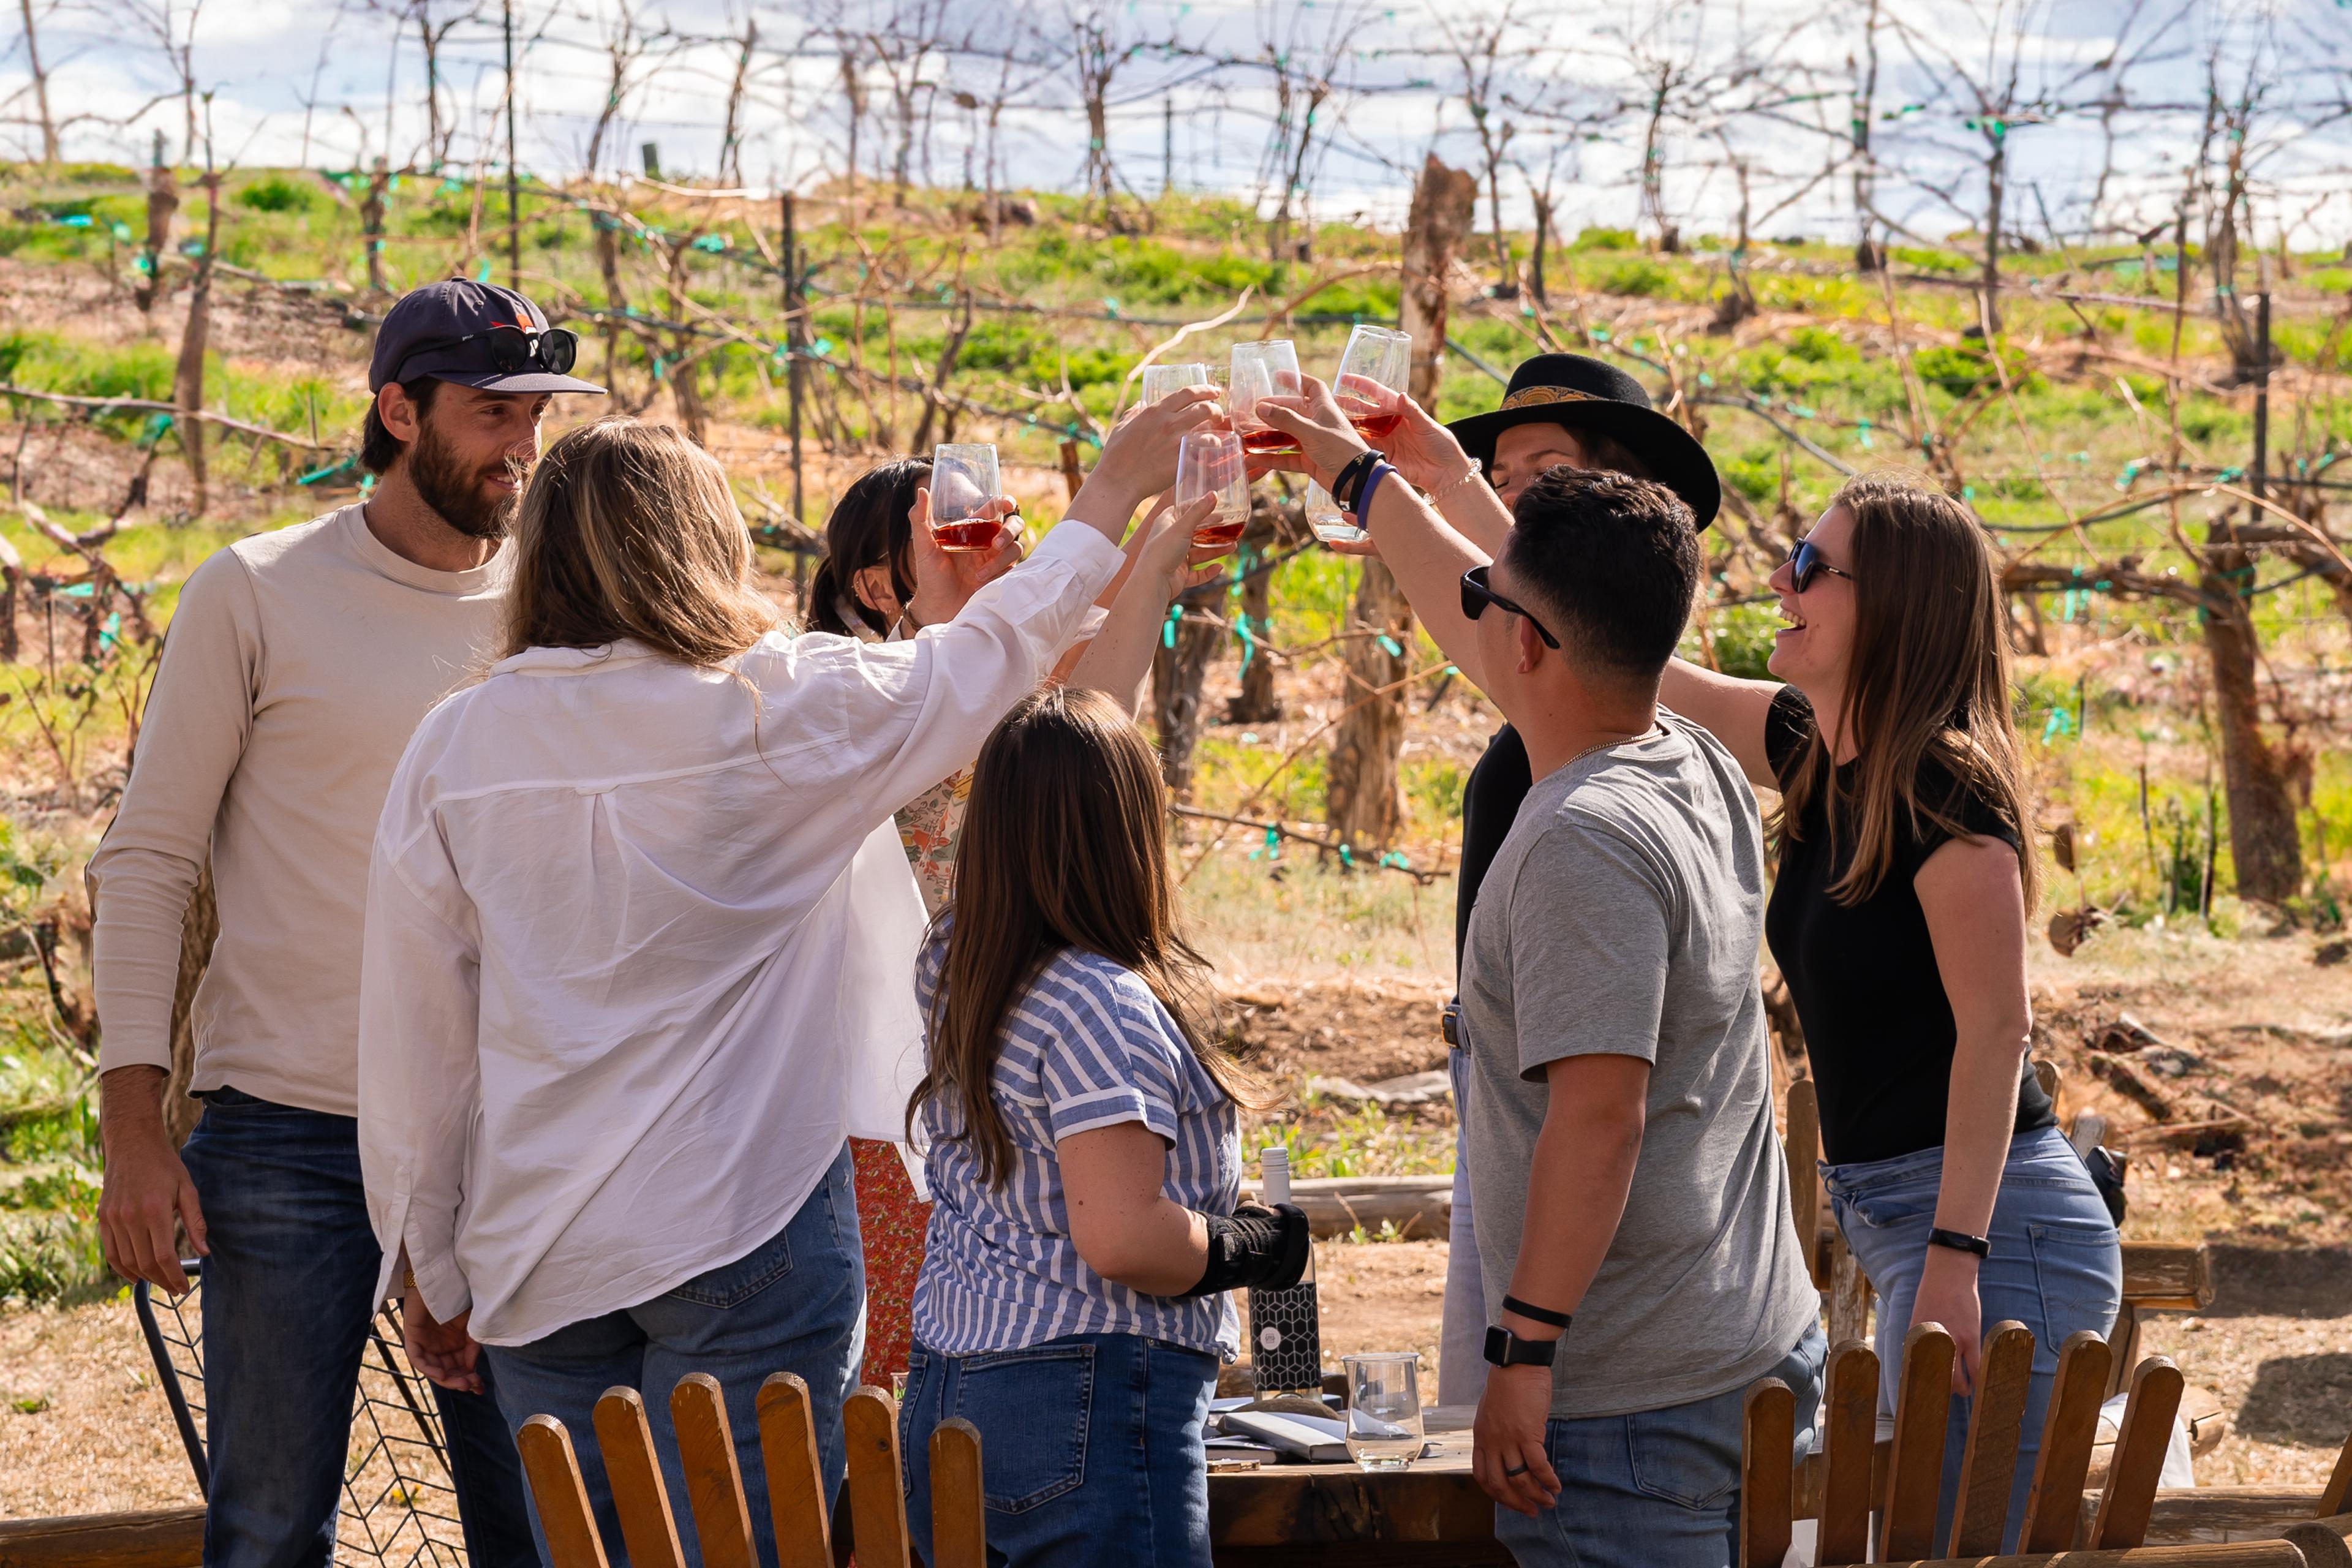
(714, 1484)
(1850, 1480)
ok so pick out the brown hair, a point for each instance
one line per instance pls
(1927, 681)
(628, 530)
(1064, 846)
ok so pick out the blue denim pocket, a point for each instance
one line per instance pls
(732, 1284)
(1688, 1454)
(1045, 1394)
(2078, 1267)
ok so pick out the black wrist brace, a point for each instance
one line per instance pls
(1256, 1248)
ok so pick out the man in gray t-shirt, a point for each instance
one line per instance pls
(1621, 919)
(1619, 1116)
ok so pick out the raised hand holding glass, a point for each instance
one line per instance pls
(963, 480)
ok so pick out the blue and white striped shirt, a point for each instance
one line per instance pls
(1085, 1045)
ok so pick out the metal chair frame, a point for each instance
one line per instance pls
(400, 1504)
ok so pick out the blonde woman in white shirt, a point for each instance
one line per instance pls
(639, 933)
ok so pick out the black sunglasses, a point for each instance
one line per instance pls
(512, 348)
(1804, 561)
(1476, 596)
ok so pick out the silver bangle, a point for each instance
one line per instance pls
(1457, 482)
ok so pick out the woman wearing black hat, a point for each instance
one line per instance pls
(1559, 409)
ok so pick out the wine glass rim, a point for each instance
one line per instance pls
(1382, 1356)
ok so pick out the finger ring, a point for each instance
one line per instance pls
(1515, 1470)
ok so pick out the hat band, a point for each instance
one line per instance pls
(1537, 397)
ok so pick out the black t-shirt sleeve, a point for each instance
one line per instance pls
(1788, 723)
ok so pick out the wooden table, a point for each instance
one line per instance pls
(1429, 1516)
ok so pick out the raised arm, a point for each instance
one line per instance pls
(1733, 710)
(1161, 566)
(1425, 552)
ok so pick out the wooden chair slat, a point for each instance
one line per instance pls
(626, 1440)
(559, 1494)
(714, 1482)
(1849, 1440)
(1849, 1294)
(1990, 1466)
(959, 1508)
(796, 1480)
(1804, 1147)
(2054, 1508)
(2229, 1554)
(2337, 1496)
(877, 1498)
(2138, 1461)
(1767, 1461)
(1915, 1472)
(2324, 1542)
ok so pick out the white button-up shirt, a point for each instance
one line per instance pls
(640, 945)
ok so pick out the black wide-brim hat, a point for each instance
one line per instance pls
(1578, 393)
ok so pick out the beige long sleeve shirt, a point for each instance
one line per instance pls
(298, 664)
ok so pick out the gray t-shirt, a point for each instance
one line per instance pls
(1622, 917)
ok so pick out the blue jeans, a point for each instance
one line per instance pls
(2056, 1266)
(1090, 1451)
(1655, 1489)
(795, 1303)
(286, 1313)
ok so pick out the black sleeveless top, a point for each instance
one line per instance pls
(1878, 1024)
(1490, 803)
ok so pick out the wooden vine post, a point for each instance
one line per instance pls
(1365, 803)
(1270, 522)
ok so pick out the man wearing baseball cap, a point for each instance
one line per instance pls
(297, 664)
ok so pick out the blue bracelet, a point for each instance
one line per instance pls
(1362, 509)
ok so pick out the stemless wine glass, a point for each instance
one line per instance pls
(1376, 357)
(1263, 369)
(1160, 379)
(1331, 525)
(963, 479)
(1383, 1409)
(1208, 463)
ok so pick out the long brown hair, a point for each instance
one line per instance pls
(628, 530)
(1064, 846)
(1927, 681)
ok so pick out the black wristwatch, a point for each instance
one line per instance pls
(1505, 1348)
(1959, 1241)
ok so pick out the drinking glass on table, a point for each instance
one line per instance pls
(1263, 369)
(1160, 379)
(1383, 1409)
(1208, 463)
(1377, 361)
(963, 480)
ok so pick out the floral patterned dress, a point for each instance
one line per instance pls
(891, 1219)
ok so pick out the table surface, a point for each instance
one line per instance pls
(1433, 1501)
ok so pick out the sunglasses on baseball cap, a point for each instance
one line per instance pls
(512, 348)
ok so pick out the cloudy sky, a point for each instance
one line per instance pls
(1762, 86)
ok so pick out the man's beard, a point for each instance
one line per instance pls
(458, 493)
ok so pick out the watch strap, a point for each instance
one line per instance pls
(1960, 1241)
(1505, 1348)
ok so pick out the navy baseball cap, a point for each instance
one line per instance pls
(445, 330)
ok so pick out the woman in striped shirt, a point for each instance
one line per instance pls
(1084, 1161)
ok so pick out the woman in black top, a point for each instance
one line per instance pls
(1898, 917)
